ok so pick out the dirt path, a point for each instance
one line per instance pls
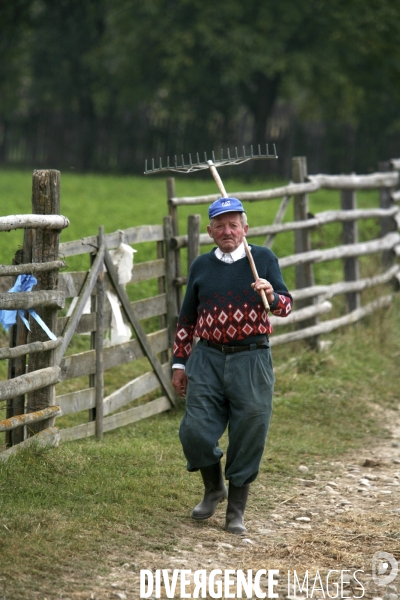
(336, 517)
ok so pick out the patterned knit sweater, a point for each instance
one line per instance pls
(221, 306)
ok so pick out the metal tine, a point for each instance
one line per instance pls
(198, 159)
(152, 163)
(222, 154)
(145, 165)
(190, 159)
(176, 161)
(251, 150)
(167, 162)
(205, 156)
(229, 154)
(259, 150)
(183, 162)
(267, 149)
(213, 156)
(244, 152)
(160, 163)
(236, 152)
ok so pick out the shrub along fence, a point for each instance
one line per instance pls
(30, 412)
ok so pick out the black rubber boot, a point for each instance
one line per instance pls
(237, 500)
(214, 492)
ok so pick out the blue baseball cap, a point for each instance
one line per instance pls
(224, 205)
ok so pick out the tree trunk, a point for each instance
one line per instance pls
(260, 97)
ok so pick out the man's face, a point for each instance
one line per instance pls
(227, 231)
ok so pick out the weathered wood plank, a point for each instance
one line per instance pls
(149, 307)
(271, 194)
(335, 289)
(193, 238)
(148, 270)
(328, 326)
(302, 314)
(18, 337)
(356, 182)
(29, 348)
(33, 222)
(47, 437)
(171, 270)
(30, 268)
(119, 420)
(137, 413)
(86, 324)
(78, 365)
(45, 248)
(351, 265)
(396, 196)
(80, 305)
(360, 249)
(75, 402)
(29, 382)
(40, 415)
(72, 283)
(99, 378)
(25, 300)
(133, 390)
(132, 235)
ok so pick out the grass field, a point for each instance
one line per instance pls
(67, 514)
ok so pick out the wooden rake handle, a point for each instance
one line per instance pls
(222, 190)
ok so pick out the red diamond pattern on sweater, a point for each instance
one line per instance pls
(231, 331)
(253, 315)
(227, 323)
(247, 330)
(182, 334)
(209, 320)
(217, 334)
(223, 317)
(238, 315)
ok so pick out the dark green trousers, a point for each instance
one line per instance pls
(227, 390)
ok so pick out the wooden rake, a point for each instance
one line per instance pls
(191, 167)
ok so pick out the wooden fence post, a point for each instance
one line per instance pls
(17, 366)
(45, 242)
(173, 213)
(172, 303)
(304, 273)
(388, 224)
(351, 265)
(99, 383)
(193, 238)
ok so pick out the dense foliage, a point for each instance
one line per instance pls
(103, 83)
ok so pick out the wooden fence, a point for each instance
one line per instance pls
(92, 412)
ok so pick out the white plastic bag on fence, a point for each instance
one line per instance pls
(120, 330)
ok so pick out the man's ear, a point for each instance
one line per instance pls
(209, 230)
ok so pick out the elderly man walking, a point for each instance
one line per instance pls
(227, 377)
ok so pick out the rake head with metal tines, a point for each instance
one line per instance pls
(221, 162)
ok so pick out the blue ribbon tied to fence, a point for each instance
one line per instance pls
(8, 318)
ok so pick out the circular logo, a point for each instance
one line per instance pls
(384, 568)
